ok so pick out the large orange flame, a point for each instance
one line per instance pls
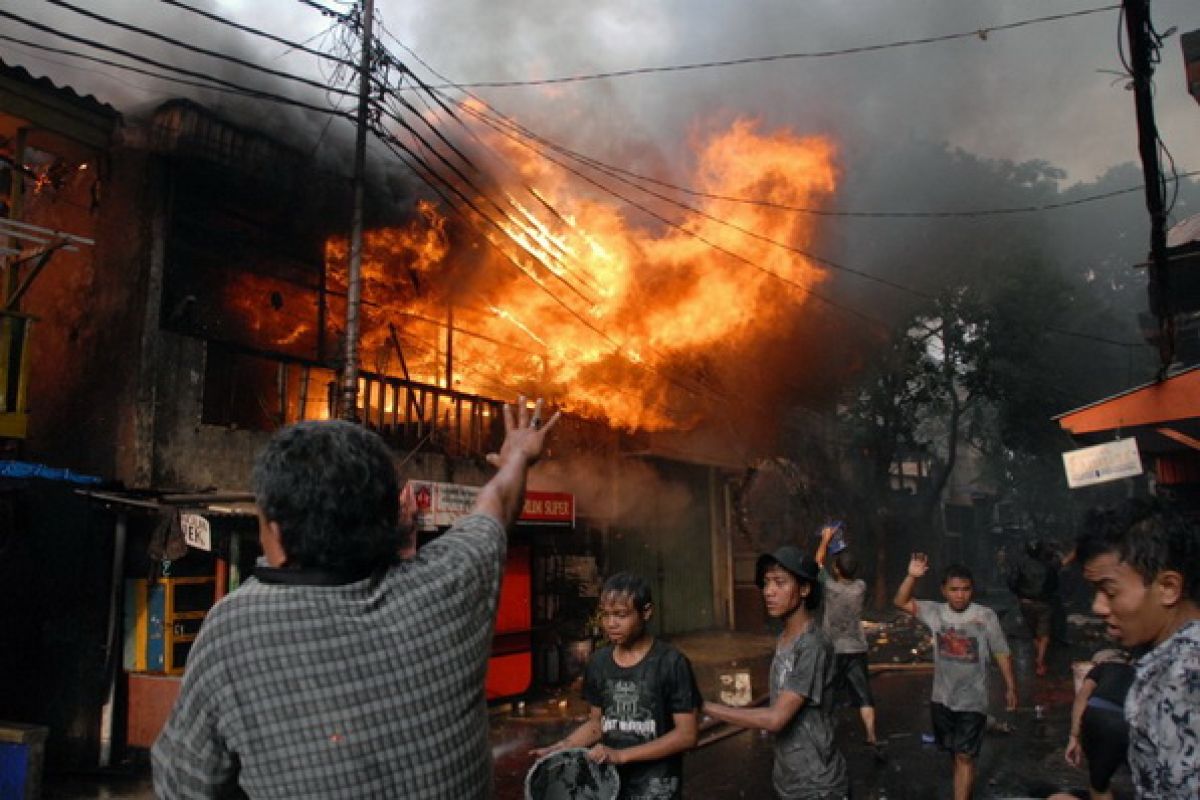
(578, 302)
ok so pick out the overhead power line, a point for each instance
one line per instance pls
(340, 16)
(513, 130)
(262, 34)
(241, 62)
(220, 85)
(761, 202)
(978, 33)
(201, 80)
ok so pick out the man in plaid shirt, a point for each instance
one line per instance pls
(341, 670)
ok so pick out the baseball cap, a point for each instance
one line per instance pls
(792, 559)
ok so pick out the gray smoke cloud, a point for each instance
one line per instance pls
(916, 127)
(630, 493)
(1040, 92)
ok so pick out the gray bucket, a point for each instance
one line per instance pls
(568, 775)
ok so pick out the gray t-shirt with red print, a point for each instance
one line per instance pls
(963, 644)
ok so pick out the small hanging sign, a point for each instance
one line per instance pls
(1110, 461)
(196, 531)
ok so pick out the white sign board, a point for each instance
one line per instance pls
(1104, 462)
(196, 531)
(440, 504)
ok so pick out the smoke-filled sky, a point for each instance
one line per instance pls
(1045, 91)
(1050, 91)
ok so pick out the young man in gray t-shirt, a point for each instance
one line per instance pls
(808, 765)
(965, 635)
(843, 599)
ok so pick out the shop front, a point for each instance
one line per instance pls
(511, 668)
(180, 562)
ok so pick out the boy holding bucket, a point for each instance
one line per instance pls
(643, 698)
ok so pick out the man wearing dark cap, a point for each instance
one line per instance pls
(807, 765)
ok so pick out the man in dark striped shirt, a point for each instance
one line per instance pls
(340, 670)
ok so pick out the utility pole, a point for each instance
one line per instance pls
(1141, 52)
(354, 287)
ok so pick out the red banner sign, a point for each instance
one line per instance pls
(548, 507)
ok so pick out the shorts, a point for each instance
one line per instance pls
(958, 731)
(1104, 737)
(850, 677)
(1037, 614)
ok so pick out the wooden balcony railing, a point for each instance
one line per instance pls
(413, 416)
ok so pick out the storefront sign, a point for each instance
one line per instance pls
(440, 504)
(1111, 461)
(549, 507)
(196, 531)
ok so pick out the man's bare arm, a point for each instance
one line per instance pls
(771, 718)
(524, 441)
(918, 565)
(586, 735)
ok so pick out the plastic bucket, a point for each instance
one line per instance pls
(21, 750)
(568, 775)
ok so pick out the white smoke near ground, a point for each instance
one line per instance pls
(628, 492)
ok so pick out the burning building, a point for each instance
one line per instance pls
(210, 311)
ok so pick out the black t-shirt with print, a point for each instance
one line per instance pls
(637, 704)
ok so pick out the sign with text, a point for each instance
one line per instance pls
(1106, 462)
(196, 531)
(440, 504)
(549, 508)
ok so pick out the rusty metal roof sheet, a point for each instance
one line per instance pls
(89, 102)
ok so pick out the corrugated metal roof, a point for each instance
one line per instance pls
(89, 102)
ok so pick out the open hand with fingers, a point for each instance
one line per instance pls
(524, 433)
(918, 565)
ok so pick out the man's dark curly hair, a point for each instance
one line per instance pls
(333, 490)
(1148, 535)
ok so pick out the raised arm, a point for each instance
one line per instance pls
(918, 565)
(524, 440)
(827, 533)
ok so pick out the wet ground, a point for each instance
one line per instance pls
(1026, 762)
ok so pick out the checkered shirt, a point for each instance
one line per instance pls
(367, 689)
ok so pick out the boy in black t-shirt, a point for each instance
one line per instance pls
(1098, 727)
(643, 698)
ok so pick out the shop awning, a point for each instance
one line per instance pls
(1172, 405)
(1164, 417)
